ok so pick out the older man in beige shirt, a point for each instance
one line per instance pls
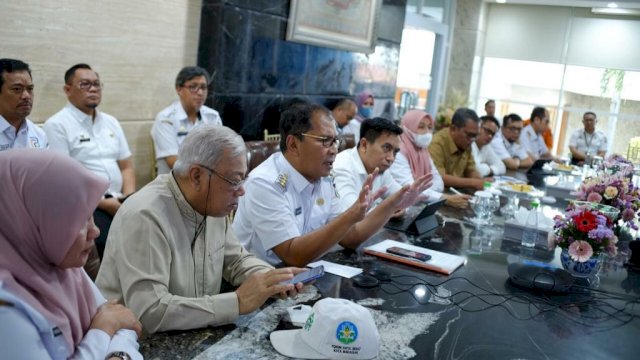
(171, 244)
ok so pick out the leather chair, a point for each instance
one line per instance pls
(347, 141)
(259, 151)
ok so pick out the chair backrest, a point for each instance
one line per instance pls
(347, 141)
(271, 137)
(259, 151)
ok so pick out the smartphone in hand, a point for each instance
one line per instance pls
(395, 250)
(306, 276)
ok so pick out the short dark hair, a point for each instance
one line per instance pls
(590, 113)
(68, 75)
(489, 102)
(371, 129)
(342, 103)
(538, 112)
(461, 116)
(488, 118)
(508, 119)
(11, 65)
(296, 119)
(189, 72)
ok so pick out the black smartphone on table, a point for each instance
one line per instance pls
(395, 250)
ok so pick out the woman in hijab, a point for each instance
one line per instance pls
(49, 308)
(414, 160)
(364, 100)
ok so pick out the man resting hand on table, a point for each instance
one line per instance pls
(171, 243)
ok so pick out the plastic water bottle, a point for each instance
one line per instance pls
(530, 232)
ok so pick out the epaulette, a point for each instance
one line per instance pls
(332, 178)
(166, 121)
(281, 181)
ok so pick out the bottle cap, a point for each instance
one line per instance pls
(534, 204)
(487, 185)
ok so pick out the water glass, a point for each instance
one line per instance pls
(481, 204)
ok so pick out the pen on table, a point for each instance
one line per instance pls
(453, 190)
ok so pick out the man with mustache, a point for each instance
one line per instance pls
(175, 121)
(95, 139)
(16, 101)
(292, 212)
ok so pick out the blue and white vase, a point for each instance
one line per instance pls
(585, 269)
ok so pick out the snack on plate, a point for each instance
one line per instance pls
(521, 187)
(564, 167)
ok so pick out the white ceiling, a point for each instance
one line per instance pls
(624, 4)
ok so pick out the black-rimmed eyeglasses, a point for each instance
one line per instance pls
(235, 184)
(327, 141)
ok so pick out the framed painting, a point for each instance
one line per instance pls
(341, 24)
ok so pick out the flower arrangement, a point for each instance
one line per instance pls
(617, 191)
(584, 232)
(614, 164)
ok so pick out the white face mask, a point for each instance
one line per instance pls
(422, 140)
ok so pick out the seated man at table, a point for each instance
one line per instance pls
(531, 136)
(450, 150)
(507, 146)
(587, 142)
(291, 212)
(344, 112)
(174, 122)
(379, 144)
(487, 163)
(171, 243)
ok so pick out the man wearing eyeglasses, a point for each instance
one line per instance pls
(16, 101)
(487, 163)
(531, 136)
(587, 142)
(450, 151)
(291, 212)
(171, 244)
(95, 139)
(507, 146)
(174, 122)
(376, 152)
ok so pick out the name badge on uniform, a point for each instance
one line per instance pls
(182, 133)
(84, 138)
(298, 211)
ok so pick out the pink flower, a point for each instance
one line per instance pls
(580, 251)
(628, 214)
(594, 197)
(610, 192)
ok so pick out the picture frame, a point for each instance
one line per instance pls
(342, 24)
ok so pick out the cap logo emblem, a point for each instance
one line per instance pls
(347, 332)
(309, 322)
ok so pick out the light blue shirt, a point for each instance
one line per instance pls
(279, 205)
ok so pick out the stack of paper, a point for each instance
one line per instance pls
(439, 262)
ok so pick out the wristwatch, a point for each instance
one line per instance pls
(119, 355)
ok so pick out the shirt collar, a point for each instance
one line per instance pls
(356, 160)
(80, 116)
(186, 209)
(6, 127)
(451, 147)
(298, 181)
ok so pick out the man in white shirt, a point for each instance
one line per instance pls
(291, 211)
(587, 142)
(95, 139)
(344, 113)
(377, 150)
(174, 122)
(16, 101)
(531, 138)
(487, 162)
(507, 146)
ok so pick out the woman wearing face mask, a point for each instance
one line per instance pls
(364, 100)
(414, 160)
(49, 308)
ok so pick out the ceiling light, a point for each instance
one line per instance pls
(501, 1)
(612, 5)
(615, 11)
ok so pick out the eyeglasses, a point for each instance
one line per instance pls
(195, 88)
(86, 85)
(514, 128)
(235, 184)
(469, 135)
(489, 131)
(327, 141)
